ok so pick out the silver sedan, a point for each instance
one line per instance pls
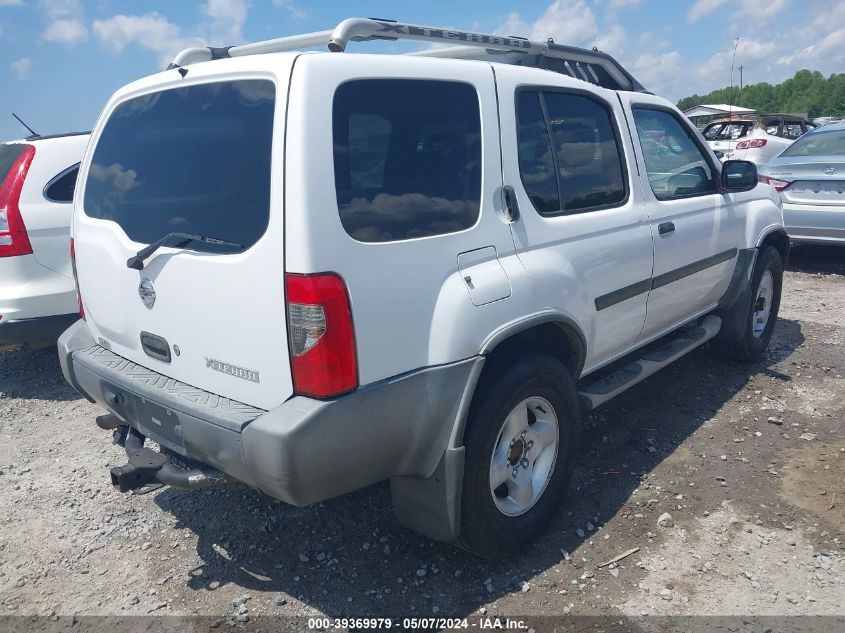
(810, 176)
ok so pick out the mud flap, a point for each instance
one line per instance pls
(734, 306)
(432, 506)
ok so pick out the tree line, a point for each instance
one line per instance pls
(808, 91)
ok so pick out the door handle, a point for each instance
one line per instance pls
(665, 227)
(511, 205)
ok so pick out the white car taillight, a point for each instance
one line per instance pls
(753, 143)
(779, 185)
(13, 237)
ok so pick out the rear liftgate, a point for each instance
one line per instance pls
(149, 470)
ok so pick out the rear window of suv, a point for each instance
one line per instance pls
(189, 160)
(407, 158)
(727, 131)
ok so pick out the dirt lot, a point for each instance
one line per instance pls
(749, 461)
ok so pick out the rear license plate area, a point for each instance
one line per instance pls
(160, 424)
(834, 187)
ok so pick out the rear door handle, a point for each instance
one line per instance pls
(665, 227)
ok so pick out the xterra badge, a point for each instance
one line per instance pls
(232, 370)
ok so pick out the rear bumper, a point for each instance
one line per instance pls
(815, 224)
(48, 328)
(29, 290)
(302, 452)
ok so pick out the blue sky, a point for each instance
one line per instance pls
(61, 59)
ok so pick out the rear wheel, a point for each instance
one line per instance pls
(762, 313)
(521, 443)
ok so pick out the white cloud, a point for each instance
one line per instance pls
(10, 3)
(830, 48)
(55, 9)
(21, 67)
(748, 51)
(514, 25)
(659, 73)
(227, 20)
(151, 31)
(566, 21)
(761, 10)
(294, 10)
(65, 22)
(700, 8)
(613, 41)
(758, 10)
(67, 32)
(616, 5)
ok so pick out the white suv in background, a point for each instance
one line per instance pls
(37, 180)
(312, 272)
(754, 138)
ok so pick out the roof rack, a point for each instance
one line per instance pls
(588, 65)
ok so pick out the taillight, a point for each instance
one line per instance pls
(779, 185)
(76, 279)
(322, 339)
(751, 143)
(13, 238)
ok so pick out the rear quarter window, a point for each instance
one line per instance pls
(61, 187)
(192, 160)
(8, 155)
(407, 158)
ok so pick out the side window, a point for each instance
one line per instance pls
(407, 158)
(675, 164)
(792, 129)
(536, 165)
(60, 189)
(585, 156)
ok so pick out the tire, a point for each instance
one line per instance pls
(755, 337)
(496, 523)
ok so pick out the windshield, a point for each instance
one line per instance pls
(191, 160)
(727, 131)
(830, 143)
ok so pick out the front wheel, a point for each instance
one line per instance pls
(762, 313)
(521, 443)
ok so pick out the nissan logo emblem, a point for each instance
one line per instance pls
(147, 292)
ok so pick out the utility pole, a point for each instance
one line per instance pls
(739, 102)
(731, 92)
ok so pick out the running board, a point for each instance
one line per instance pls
(652, 358)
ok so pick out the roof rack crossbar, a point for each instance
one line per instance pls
(469, 45)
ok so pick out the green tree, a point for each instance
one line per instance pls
(807, 91)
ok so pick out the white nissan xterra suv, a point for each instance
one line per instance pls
(312, 272)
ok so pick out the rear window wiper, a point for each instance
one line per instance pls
(137, 261)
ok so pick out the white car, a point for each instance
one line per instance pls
(312, 272)
(37, 292)
(754, 138)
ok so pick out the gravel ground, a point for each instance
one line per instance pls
(728, 478)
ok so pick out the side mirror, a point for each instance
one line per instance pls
(738, 175)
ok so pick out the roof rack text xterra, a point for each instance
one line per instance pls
(592, 66)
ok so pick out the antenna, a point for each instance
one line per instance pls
(731, 92)
(33, 132)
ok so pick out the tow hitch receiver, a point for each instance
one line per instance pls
(148, 470)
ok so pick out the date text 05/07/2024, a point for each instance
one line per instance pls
(481, 623)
